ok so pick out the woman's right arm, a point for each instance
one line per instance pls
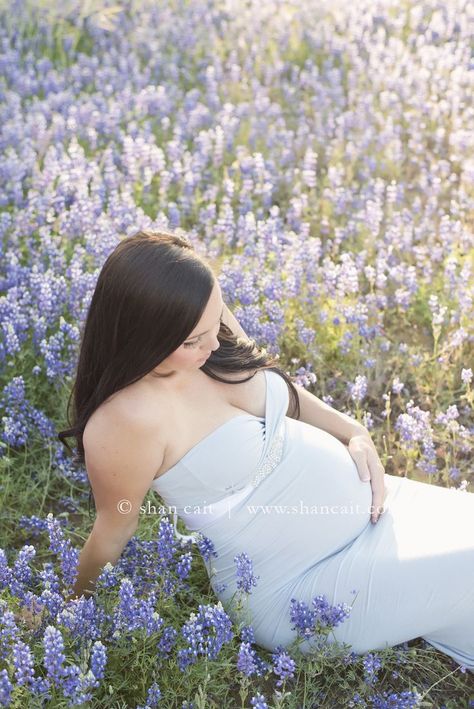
(122, 456)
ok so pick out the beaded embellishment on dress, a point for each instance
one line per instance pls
(273, 456)
(268, 464)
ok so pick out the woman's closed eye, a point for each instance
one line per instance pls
(195, 343)
(191, 344)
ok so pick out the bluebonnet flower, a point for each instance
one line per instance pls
(283, 665)
(167, 640)
(98, 659)
(59, 350)
(147, 617)
(49, 599)
(302, 617)
(23, 663)
(49, 577)
(328, 615)
(153, 696)
(307, 621)
(108, 577)
(83, 618)
(403, 700)
(9, 632)
(6, 689)
(247, 634)
(33, 525)
(125, 613)
(68, 555)
(371, 663)
(21, 419)
(259, 702)
(205, 632)
(246, 660)
(22, 574)
(6, 575)
(183, 566)
(54, 656)
(76, 685)
(206, 547)
(359, 389)
(245, 576)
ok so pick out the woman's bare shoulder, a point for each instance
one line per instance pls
(128, 412)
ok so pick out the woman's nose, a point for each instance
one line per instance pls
(214, 343)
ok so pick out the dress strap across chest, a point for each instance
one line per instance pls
(276, 405)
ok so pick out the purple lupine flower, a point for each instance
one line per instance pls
(359, 389)
(205, 632)
(6, 689)
(307, 621)
(23, 663)
(52, 601)
(220, 587)
(9, 632)
(371, 663)
(82, 617)
(466, 376)
(414, 425)
(183, 567)
(98, 659)
(49, 577)
(245, 576)
(166, 544)
(108, 577)
(247, 634)
(403, 700)
(328, 615)
(125, 613)
(167, 640)
(76, 685)
(245, 659)
(68, 555)
(153, 696)
(21, 571)
(54, 654)
(33, 525)
(283, 665)
(40, 686)
(6, 575)
(397, 385)
(302, 617)
(206, 547)
(259, 702)
(147, 617)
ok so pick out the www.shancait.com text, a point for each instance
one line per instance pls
(125, 507)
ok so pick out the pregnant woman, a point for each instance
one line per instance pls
(171, 395)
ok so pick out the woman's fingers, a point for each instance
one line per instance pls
(360, 459)
(378, 497)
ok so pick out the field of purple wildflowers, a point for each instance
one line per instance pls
(321, 154)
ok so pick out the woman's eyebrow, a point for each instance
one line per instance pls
(203, 333)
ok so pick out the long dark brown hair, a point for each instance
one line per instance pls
(150, 294)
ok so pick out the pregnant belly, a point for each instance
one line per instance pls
(310, 507)
(330, 505)
(336, 501)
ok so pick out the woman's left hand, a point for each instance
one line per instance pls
(370, 469)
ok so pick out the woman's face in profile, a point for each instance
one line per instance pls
(201, 342)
